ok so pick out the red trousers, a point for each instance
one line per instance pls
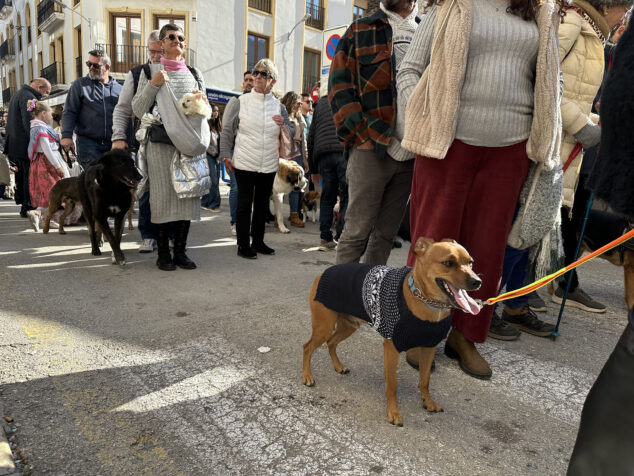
(470, 196)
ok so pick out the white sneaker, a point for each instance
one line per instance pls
(34, 218)
(147, 245)
(171, 243)
(53, 225)
(233, 229)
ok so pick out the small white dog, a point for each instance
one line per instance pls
(195, 103)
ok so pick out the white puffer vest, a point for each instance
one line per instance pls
(257, 141)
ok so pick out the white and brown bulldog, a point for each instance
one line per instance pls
(289, 178)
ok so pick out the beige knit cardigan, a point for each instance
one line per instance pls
(432, 109)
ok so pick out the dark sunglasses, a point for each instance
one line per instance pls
(308, 101)
(93, 65)
(256, 73)
(173, 37)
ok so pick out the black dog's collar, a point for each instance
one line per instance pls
(432, 304)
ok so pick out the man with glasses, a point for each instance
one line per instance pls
(88, 110)
(247, 85)
(307, 109)
(122, 118)
(18, 134)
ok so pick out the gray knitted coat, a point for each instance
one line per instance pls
(164, 203)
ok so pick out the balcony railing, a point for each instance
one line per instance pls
(262, 5)
(317, 14)
(7, 50)
(126, 57)
(50, 16)
(79, 67)
(54, 73)
(6, 95)
(6, 9)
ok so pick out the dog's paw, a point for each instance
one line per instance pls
(61, 231)
(131, 227)
(342, 369)
(394, 417)
(284, 230)
(96, 252)
(308, 380)
(431, 406)
(118, 258)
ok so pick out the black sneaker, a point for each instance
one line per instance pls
(500, 330)
(529, 322)
(579, 299)
(536, 303)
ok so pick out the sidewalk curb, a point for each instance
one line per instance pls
(7, 467)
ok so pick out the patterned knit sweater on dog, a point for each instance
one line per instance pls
(374, 294)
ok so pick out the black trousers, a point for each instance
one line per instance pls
(254, 191)
(22, 183)
(570, 229)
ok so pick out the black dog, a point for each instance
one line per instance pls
(104, 190)
(606, 432)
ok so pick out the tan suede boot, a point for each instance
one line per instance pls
(470, 361)
(296, 221)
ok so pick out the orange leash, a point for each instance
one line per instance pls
(551, 277)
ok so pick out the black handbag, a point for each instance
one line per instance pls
(158, 134)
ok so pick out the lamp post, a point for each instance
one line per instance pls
(284, 40)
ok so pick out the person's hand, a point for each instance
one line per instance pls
(60, 171)
(315, 178)
(228, 164)
(306, 168)
(279, 120)
(119, 144)
(68, 144)
(160, 78)
(597, 106)
(367, 145)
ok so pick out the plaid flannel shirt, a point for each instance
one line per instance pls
(362, 84)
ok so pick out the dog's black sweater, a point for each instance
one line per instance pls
(374, 294)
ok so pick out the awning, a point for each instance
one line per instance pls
(56, 100)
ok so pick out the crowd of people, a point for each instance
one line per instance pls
(461, 111)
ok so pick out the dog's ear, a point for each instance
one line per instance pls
(422, 244)
(96, 171)
(449, 240)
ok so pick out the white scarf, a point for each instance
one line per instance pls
(402, 31)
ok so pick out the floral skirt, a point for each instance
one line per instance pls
(42, 177)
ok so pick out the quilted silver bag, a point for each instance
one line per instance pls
(190, 175)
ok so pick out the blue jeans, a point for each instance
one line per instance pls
(295, 198)
(233, 197)
(146, 227)
(332, 168)
(513, 274)
(212, 199)
(89, 150)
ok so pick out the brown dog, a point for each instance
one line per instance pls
(310, 203)
(346, 295)
(66, 191)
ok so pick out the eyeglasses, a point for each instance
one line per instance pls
(173, 37)
(309, 101)
(256, 73)
(93, 65)
(155, 52)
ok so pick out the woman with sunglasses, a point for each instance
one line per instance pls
(167, 209)
(252, 129)
(293, 103)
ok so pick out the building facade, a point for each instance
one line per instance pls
(51, 38)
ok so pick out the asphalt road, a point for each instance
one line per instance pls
(129, 370)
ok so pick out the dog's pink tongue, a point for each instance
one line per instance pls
(466, 302)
